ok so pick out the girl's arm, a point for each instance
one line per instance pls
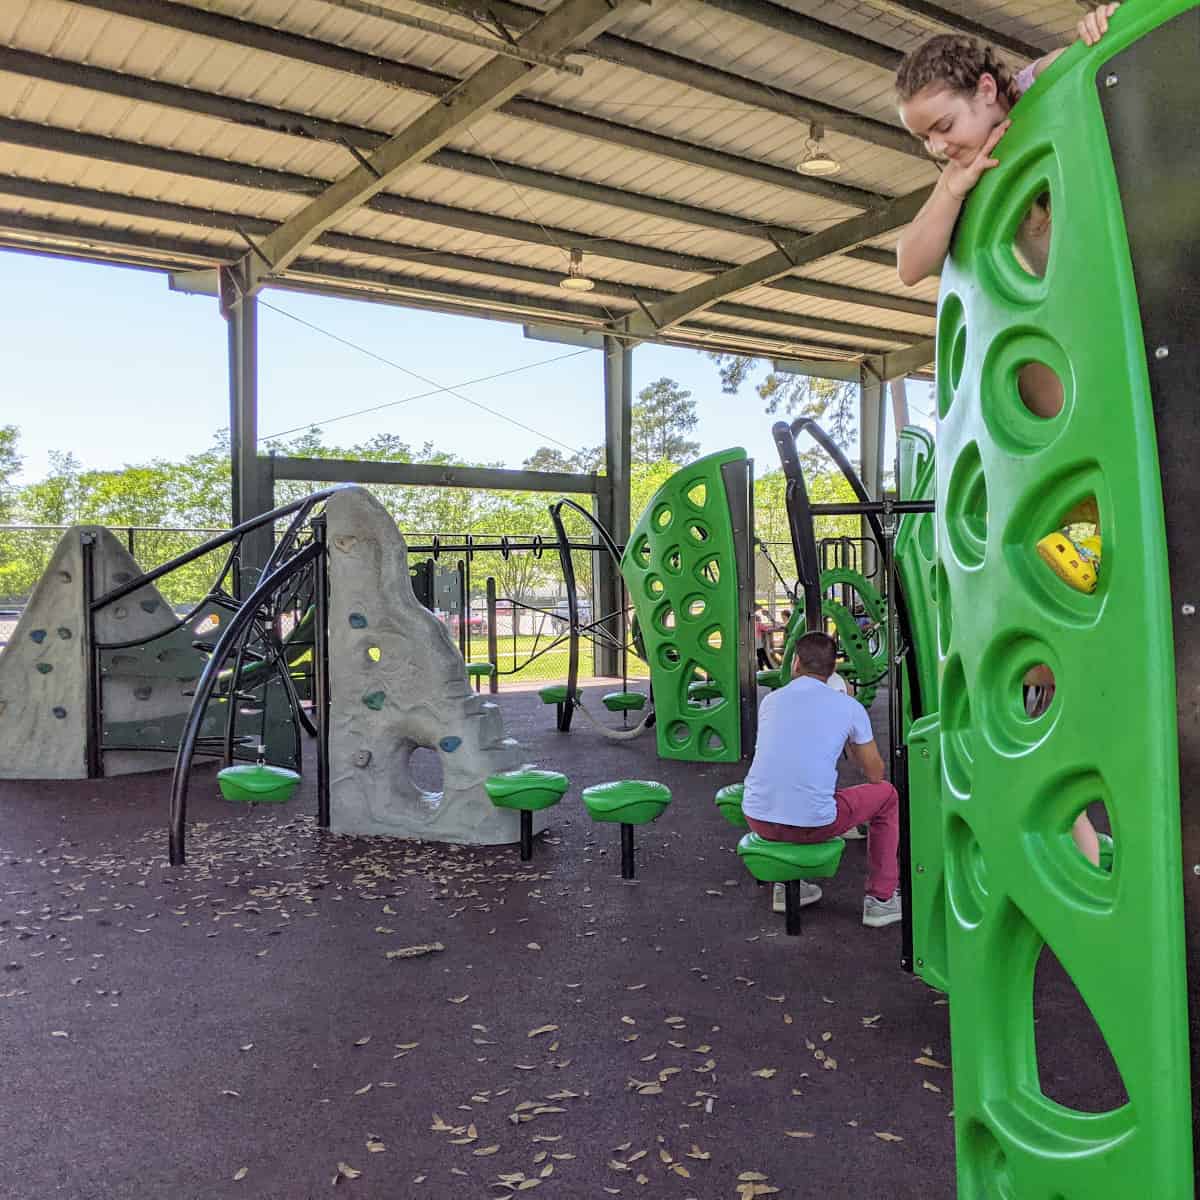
(923, 245)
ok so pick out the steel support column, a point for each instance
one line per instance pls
(614, 510)
(872, 429)
(241, 315)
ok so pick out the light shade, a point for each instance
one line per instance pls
(575, 280)
(816, 160)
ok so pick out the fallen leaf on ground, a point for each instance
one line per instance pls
(415, 951)
(884, 1136)
(241, 1173)
(541, 1029)
(926, 1061)
(798, 1133)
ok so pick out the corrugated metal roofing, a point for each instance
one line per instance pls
(167, 132)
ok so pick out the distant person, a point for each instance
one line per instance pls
(791, 792)
(763, 628)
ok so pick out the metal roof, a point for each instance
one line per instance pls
(180, 134)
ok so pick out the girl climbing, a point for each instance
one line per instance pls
(955, 95)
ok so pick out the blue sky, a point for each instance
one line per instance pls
(109, 364)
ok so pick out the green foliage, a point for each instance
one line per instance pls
(662, 417)
(10, 464)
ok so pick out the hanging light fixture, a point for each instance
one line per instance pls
(575, 280)
(816, 160)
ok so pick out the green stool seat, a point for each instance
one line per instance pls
(556, 693)
(703, 689)
(624, 701)
(528, 790)
(772, 678)
(788, 863)
(630, 802)
(1106, 851)
(257, 783)
(480, 668)
(779, 862)
(729, 803)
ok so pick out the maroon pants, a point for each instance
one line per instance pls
(876, 805)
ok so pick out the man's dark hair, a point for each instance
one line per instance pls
(816, 654)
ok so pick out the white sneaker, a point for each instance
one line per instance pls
(809, 894)
(854, 833)
(881, 912)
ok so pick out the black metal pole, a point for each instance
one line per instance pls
(321, 666)
(526, 835)
(567, 708)
(492, 639)
(791, 908)
(627, 862)
(898, 751)
(800, 524)
(93, 722)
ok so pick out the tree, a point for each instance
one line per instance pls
(832, 402)
(662, 417)
(550, 458)
(10, 464)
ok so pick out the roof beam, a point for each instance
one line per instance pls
(302, 125)
(210, 219)
(943, 18)
(792, 253)
(98, 243)
(574, 23)
(430, 83)
(225, 171)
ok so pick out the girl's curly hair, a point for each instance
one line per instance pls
(954, 61)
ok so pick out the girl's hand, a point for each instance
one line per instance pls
(959, 180)
(1093, 27)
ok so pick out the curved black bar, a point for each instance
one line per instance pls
(221, 539)
(567, 707)
(208, 680)
(800, 520)
(605, 536)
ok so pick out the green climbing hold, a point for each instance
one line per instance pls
(59, 711)
(374, 700)
(780, 862)
(257, 783)
(44, 668)
(629, 801)
(37, 635)
(528, 789)
(64, 633)
(357, 621)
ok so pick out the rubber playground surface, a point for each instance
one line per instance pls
(296, 1014)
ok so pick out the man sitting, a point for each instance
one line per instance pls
(791, 792)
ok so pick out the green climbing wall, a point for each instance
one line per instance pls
(681, 573)
(1012, 785)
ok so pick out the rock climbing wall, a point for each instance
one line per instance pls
(43, 670)
(398, 682)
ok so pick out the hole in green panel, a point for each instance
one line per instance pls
(654, 587)
(697, 494)
(697, 532)
(967, 508)
(966, 873)
(1015, 693)
(958, 734)
(711, 742)
(951, 351)
(945, 615)
(668, 657)
(1075, 1067)
(713, 638)
(673, 560)
(641, 551)
(664, 619)
(1030, 237)
(708, 572)
(1044, 562)
(1057, 841)
(986, 1165)
(1027, 384)
(679, 733)
(662, 517)
(694, 607)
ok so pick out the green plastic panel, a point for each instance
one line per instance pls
(927, 908)
(681, 573)
(1013, 785)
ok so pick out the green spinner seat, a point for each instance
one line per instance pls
(629, 802)
(528, 790)
(257, 783)
(788, 863)
(623, 701)
(479, 671)
(729, 804)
